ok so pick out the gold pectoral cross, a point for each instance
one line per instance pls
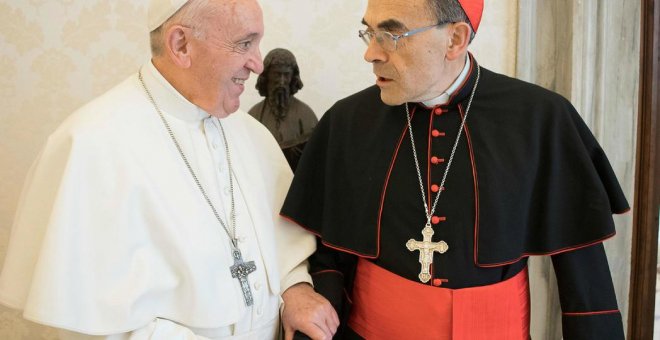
(426, 249)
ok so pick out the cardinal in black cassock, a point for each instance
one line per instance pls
(526, 177)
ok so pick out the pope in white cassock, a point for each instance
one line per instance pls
(152, 211)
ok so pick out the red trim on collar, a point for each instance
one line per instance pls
(613, 311)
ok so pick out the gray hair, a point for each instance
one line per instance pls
(193, 14)
(449, 11)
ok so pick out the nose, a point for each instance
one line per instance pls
(375, 53)
(255, 63)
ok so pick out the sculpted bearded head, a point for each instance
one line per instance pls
(280, 79)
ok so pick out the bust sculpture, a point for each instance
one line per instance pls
(290, 120)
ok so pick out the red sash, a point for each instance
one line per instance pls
(387, 306)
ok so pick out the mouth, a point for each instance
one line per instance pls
(239, 81)
(382, 80)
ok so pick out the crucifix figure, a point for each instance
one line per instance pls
(426, 249)
(240, 270)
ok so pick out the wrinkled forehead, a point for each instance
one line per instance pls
(240, 17)
(393, 15)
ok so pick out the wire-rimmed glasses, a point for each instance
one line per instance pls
(387, 40)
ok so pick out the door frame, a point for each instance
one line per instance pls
(644, 262)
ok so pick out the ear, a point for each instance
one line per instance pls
(459, 39)
(177, 45)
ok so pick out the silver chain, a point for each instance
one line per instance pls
(230, 232)
(429, 214)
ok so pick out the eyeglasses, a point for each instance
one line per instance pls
(387, 40)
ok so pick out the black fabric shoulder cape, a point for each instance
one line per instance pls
(544, 185)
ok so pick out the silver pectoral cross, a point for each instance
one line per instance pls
(240, 270)
(426, 249)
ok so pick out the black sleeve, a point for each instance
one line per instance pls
(586, 294)
(332, 272)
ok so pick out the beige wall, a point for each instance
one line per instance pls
(323, 36)
(57, 55)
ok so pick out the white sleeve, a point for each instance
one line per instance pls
(294, 246)
(159, 329)
(296, 275)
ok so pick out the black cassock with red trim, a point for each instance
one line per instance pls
(527, 178)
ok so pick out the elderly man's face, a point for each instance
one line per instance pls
(416, 70)
(227, 54)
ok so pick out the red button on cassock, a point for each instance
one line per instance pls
(438, 282)
(436, 133)
(437, 219)
(435, 188)
(436, 160)
(438, 111)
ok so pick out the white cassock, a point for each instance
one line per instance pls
(113, 237)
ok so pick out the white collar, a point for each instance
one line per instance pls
(444, 97)
(168, 99)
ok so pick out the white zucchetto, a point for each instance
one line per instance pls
(161, 10)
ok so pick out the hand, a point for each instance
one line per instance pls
(309, 312)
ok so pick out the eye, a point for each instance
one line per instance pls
(244, 46)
